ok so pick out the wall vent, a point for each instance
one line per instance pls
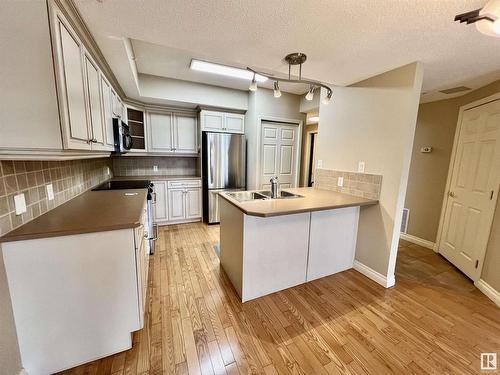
(454, 90)
(404, 222)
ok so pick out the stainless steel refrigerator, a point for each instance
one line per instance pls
(223, 169)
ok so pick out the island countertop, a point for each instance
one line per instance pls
(312, 200)
(93, 211)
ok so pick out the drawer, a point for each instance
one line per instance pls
(184, 183)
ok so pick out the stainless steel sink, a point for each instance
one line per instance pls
(245, 196)
(281, 194)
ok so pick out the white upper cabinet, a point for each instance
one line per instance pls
(222, 122)
(107, 112)
(95, 106)
(160, 132)
(71, 82)
(172, 133)
(185, 134)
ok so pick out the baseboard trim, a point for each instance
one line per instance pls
(385, 281)
(488, 290)
(418, 241)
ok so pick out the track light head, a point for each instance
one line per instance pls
(327, 99)
(277, 92)
(253, 85)
(310, 94)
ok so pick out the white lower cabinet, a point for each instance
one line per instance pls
(177, 201)
(81, 299)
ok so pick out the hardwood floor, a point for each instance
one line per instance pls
(432, 322)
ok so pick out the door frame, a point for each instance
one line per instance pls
(462, 109)
(296, 122)
(307, 159)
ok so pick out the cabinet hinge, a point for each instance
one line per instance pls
(477, 263)
(491, 195)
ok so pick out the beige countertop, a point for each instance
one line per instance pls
(93, 211)
(312, 200)
(157, 178)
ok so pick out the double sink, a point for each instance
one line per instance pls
(246, 196)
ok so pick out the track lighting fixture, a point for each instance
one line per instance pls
(310, 94)
(486, 19)
(297, 58)
(277, 92)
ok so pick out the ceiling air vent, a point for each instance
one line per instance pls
(454, 90)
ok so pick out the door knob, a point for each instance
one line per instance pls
(452, 194)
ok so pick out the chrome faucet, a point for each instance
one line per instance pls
(274, 187)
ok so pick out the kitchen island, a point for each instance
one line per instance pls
(267, 245)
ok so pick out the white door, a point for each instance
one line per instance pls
(176, 204)
(278, 153)
(473, 189)
(74, 89)
(212, 121)
(161, 137)
(95, 107)
(107, 113)
(160, 201)
(185, 134)
(193, 203)
(234, 123)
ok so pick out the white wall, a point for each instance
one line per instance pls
(374, 121)
(263, 105)
(181, 93)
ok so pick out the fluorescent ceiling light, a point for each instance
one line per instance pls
(208, 67)
(314, 119)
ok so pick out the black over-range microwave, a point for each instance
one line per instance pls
(122, 137)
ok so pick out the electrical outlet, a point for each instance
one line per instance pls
(361, 167)
(50, 192)
(155, 168)
(340, 181)
(320, 163)
(20, 204)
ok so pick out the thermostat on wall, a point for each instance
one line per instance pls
(426, 149)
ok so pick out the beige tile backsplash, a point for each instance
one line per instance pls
(359, 184)
(68, 178)
(143, 166)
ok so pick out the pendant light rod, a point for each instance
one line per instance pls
(304, 81)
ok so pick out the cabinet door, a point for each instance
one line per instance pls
(160, 201)
(212, 121)
(160, 132)
(72, 85)
(234, 123)
(116, 104)
(185, 134)
(107, 113)
(193, 203)
(94, 104)
(176, 204)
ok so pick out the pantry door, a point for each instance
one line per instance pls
(473, 189)
(278, 154)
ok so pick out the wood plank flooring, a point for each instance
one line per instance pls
(432, 322)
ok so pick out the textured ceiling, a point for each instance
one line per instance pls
(346, 41)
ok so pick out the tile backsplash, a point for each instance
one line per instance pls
(143, 166)
(68, 178)
(359, 184)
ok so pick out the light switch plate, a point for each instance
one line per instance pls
(340, 181)
(320, 163)
(50, 192)
(155, 168)
(361, 167)
(20, 204)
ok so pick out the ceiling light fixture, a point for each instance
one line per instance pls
(253, 85)
(277, 92)
(486, 19)
(297, 58)
(229, 71)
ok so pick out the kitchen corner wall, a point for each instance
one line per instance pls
(68, 178)
(374, 121)
(167, 166)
